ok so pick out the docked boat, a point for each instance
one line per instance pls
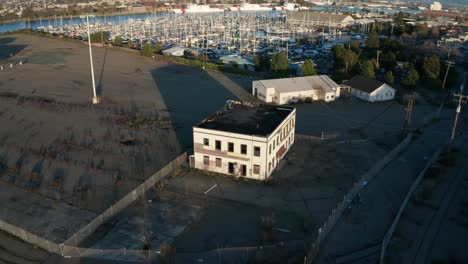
(196, 9)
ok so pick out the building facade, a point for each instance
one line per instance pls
(318, 19)
(290, 90)
(370, 90)
(243, 140)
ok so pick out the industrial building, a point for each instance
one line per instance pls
(244, 140)
(318, 19)
(289, 90)
(370, 90)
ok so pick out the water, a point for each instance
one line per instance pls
(114, 19)
(117, 19)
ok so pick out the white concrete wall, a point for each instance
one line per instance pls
(200, 150)
(285, 98)
(384, 93)
(276, 140)
(271, 95)
(283, 135)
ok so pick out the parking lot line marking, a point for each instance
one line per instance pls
(212, 187)
(283, 230)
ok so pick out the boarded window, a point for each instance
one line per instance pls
(218, 162)
(243, 149)
(206, 142)
(231, 147)
(218, 144)
(206, 160)
(257, 151)
(256, 169)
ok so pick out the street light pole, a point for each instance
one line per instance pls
(95, 99)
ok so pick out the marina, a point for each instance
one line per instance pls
(212, 36)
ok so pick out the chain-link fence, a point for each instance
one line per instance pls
(336, 213)
(388, 235)
(69, 247)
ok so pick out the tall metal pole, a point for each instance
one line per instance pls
(95, 99)
(460, 97)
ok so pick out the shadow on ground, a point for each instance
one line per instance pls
(7, 50)
(190, 95)
(101, 75)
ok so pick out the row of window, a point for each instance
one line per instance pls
(284, 132)
(230, 147)
(232, 166)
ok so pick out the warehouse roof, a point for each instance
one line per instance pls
(364, 84)
(318, 16)
(244, 119)
(297, 84)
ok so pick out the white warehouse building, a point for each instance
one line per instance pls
(244, 140)
(370, 90)
(287, 90)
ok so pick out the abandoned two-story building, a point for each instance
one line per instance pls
(244, 140)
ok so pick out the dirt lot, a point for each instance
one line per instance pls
(81, 158)
(238, 215)
(54, 143)
(58, 146)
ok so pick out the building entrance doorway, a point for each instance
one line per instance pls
(243, 170)
(231, 168)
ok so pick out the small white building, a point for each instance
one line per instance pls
(244, 140)
(370, 90)
(287, 90)
(175, 52)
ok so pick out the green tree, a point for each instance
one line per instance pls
(257, 60)
(129, 43)
(98, 37)
(279, 64)
(344, 58)
(308, 68)
(147, 50)
(158, 48)
(118, 40)
(372, 40)
(431, 67)
(392, 45)
(389, 60)
(355, 46)
(389, 77)
(366, 68)
(412, 77)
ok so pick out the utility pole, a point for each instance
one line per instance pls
(378, 65)
(409, 111)
(95, 99)
(457, 112)
(449, 63)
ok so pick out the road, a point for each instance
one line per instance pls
(366, 223)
